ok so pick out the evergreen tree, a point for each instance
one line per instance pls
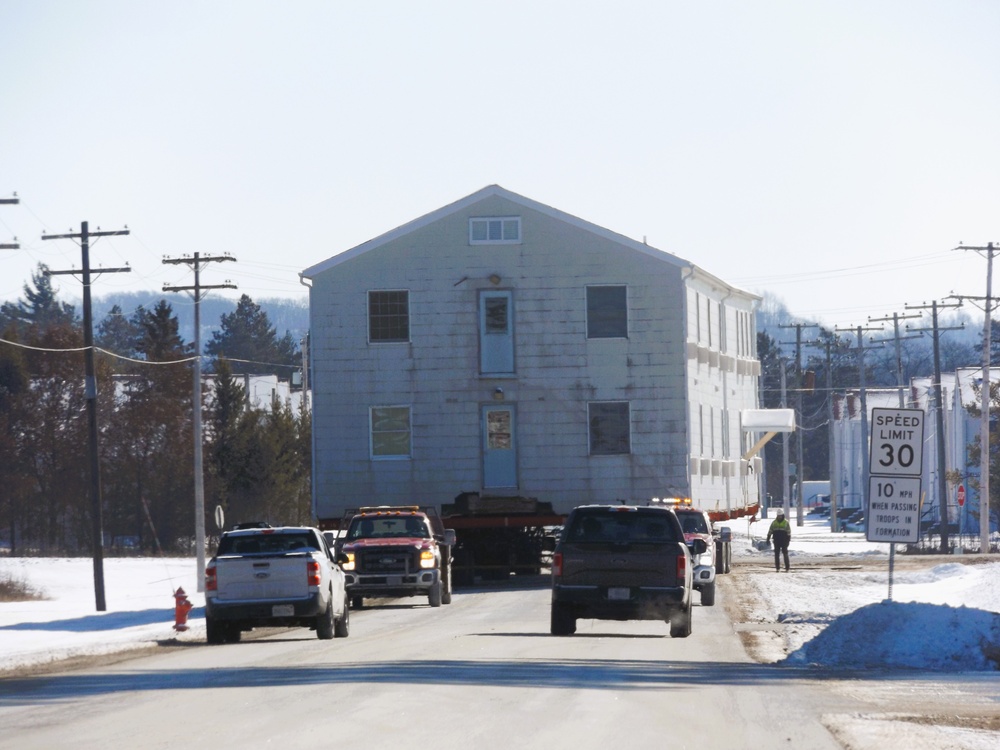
(251, 344)
(41, 307)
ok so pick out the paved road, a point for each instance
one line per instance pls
(480, 674)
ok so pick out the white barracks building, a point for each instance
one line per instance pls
(502, 347)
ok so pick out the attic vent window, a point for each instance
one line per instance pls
(495, 230)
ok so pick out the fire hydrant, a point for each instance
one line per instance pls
(181, 608)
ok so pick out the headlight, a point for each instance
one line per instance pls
(706, 559)
(349, 565)
(427, 559)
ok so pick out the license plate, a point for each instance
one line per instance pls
(618, 594)
(394, 580)
(283, 610)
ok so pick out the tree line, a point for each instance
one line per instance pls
(256, 460)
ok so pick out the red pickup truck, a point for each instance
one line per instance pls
(396, 551)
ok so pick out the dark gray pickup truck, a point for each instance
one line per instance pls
(620, 562)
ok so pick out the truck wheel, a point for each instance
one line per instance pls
(434, 595)
(357, 602)
(680, 623)
(324, 623)
(233, 632)
(708, 595)
(563, 622)
(215, 631)
(342, 625)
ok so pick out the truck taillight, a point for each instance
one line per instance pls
(682, 563)
(557, 564)
(312, 573)
(211, 582)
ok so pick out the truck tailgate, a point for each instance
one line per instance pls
(629, 564)
(262, 577)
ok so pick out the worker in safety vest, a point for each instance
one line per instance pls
(781, 530)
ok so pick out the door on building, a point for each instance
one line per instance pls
(499, 447)
(496, 333)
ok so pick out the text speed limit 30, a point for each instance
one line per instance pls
(897, 442)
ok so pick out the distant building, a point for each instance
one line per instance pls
(503, 347)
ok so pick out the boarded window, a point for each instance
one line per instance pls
(609, 428)
(607, 312)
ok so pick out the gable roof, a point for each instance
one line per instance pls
(495, 190)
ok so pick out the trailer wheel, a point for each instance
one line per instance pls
(446, 585)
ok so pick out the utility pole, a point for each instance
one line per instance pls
(865, 469)
(896, 317)
(939, 399)
(834, 464)
(984, 417)
(10, 202)
(785, 505)
(90, 394)
(196, 262)
(799, 468)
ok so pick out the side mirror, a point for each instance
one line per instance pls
(449, 537)
(725, 534)
(342, 558)
(698, 546)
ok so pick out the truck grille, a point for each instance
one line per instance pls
(386, 560)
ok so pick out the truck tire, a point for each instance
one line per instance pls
(708, 595)
(233, 632)
(434, 594)
(680, 623)
(215, 631)
(342, 625)
(324, 623)
(563, 622)
(357, 602)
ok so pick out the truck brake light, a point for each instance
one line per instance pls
(682, 562)
(211, 581)
(557, 564)
(312, 573)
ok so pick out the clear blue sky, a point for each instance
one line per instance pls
(830, 152)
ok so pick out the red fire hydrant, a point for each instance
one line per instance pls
(181, 608)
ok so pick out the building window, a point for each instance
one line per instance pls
(496, 230)
(390, 431)
(609, 428)
(607, 312)
(388, 316)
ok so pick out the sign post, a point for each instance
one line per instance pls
(896, 460)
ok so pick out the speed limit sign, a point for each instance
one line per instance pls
(897, 442)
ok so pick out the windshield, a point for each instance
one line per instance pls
(388, 527)
(610, 526)
(693, 523)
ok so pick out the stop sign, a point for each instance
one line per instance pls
(960, 495)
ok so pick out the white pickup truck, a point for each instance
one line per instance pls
(275, 577)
